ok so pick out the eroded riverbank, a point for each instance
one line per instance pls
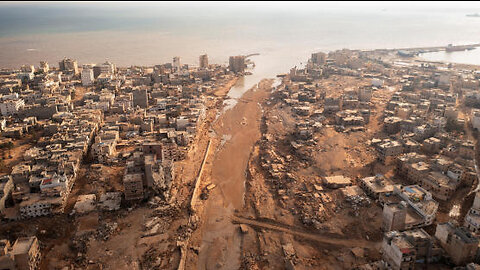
(234, 135)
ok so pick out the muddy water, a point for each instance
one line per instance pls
(236, 130)
(267, 65)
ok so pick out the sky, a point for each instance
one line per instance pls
(267, 5)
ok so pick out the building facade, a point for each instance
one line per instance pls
(203, 59)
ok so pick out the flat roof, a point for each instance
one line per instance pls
(412, 217)
(338, 179)
(403, 244)
(378, 186)
(23, 245)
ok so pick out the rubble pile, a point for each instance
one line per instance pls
(354, 203)
(105, 230)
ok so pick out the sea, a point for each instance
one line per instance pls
(283, 33)
(471, 57)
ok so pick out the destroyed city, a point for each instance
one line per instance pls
(239, 135)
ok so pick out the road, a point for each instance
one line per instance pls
(276, 226)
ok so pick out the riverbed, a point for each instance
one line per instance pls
(236, 132)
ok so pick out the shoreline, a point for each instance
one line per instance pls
(223, 91)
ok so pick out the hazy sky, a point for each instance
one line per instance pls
(265, 5)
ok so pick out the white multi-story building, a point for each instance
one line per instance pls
(476, 119)
(3, 124)
(107, 68)
(68, 64)
(87, 76)
(472, 219)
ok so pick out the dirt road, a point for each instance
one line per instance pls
(275, 226)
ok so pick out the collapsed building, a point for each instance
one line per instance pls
(152, 168)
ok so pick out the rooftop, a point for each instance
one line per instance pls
(23, 245)
(337, 180)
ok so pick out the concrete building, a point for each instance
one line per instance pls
(365, 94)
(413, 167)
(394, 216)
(398, 252)
(475, 119)
(25, 76)
(440, 185)
(203, 59)
(154, 166)
(176, 65)
(377, 185)
(11, 106)
(332, 104)
(23, 255)
(68, 64)
(470, 266)
(104, 148)
(44, 68)
(467, 150)
(420, 208)
(458, 242)
(388, 150)
(87, 76)
(26, 252)
(431, 145)
(181, 123)
(236, 64)
(392, 125)
(337, 181)
(106, 68)
(319, 58)
(133, 186)
(402, 250)
(140, 98)
(155, 148)
(472, 219)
